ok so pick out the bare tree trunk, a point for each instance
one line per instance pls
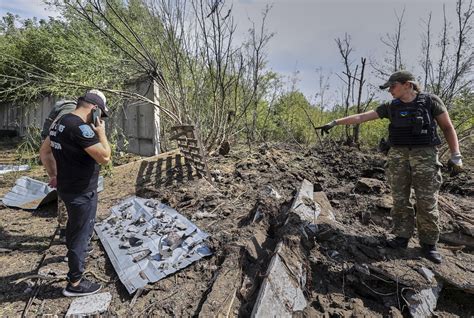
(426, 48)
(461, 65)
(258, 44)
(444, 45)
(393, 41)
(359, 98)
(345, 50)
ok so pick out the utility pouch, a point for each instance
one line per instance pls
(417, 126)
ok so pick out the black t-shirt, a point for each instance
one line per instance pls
(77, 171)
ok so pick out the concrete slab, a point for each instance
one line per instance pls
(327, 214)
(304, 205)
(423, 303)
(280, 294)
(89, 305)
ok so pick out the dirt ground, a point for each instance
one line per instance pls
(245, 221)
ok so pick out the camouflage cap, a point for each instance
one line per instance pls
(400, 77)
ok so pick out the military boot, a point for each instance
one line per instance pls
(430, 252)
(398, 242)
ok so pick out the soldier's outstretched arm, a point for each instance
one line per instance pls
(349, 120)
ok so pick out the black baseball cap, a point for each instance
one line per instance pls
(96, 97)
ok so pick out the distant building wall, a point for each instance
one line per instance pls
(137, 122)
(140, 121)
(14, 116)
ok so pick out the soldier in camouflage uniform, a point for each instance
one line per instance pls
(413, 158)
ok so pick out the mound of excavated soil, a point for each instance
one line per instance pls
(350, 270)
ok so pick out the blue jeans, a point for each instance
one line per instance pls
(81, 211)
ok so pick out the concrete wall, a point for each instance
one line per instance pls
(14, 116)
(139, 123)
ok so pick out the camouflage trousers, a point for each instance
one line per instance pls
(418, 168)
(62, 214)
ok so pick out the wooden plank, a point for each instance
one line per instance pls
(194, 148)
(196, 162)
(191, 154)
(187, 140)
(177, 135)
(187, 137)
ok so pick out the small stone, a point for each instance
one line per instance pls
(180, 225)
(89, 305)
(366, 217)
(426, 273)
(124, 245)
(385, 202)
(272, 192)
(395, 313)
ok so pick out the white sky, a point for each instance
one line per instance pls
(305, 31)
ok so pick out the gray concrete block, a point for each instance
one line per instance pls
(304, 205)
(280, 294)
(423, 303)
(89, 305)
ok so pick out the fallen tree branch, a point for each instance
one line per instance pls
(450, 209)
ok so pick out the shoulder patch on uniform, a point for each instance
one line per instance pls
(87, 131)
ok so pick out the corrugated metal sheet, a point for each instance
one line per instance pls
(29, 194)
(10, 168)
(147, 240)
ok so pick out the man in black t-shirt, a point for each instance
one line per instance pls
(71, 155)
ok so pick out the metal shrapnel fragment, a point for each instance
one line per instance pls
(140, 256)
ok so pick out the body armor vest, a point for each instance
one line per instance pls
(412, 124)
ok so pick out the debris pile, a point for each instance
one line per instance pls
(302, 231)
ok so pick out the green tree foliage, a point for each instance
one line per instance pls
(289, 117)
(187, 46)
(70, 51)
